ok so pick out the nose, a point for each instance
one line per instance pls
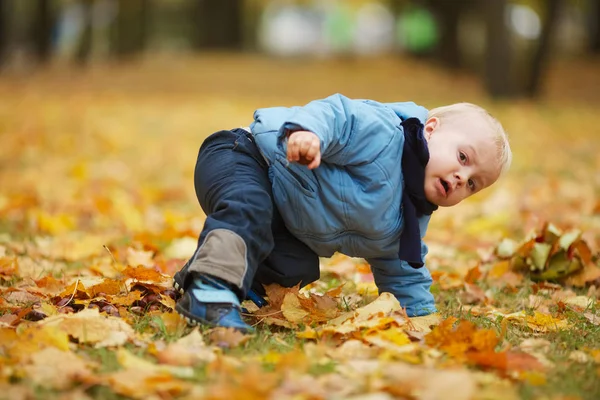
(459, 179)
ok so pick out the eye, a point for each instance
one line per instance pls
(463, 157)
(471, 184)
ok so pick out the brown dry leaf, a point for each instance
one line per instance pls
(126, 300)
(227, 337)
(505, 361)
(187, 351)
(473, 275)
(33, 339)
(8, 267)
(173, 323)
(107, 287)
(57, 369)
(89, 326)
(472, 294)
(76, 290)
(276, 294)
(458, 340)
(50, 285)
(579, 303)
(14, 391)
(136, 257)
(425, 323)
(592, 318)
(20, 297)
(142, 273)
(538, 322)
(292, 309)
(401, 380)
(384, 305)
(590, 273)
(381, 314)
(141, 384)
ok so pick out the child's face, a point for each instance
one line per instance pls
(460, 163)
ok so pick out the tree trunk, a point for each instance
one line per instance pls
(4, 30)
(498, 51)
(42, 30)
(84, 49)
(448, 14)
(132, 21)
(217, 24)
(594, 26)
(540, 57)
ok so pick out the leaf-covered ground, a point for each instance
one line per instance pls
(97, 211)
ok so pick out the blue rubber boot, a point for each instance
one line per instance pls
(179, 283)
(209, 301)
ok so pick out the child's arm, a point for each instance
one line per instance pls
(409, 285)
(350, 131)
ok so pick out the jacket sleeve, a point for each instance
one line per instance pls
(351, 131)
(410, 286)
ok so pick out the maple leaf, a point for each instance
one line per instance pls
(145, 274)
(228, 337)
(88, 326)
(57, 369)
(186, 351)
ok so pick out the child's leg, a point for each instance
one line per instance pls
(233, 188)
(291, 261)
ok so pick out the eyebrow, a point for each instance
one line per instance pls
(475, 158)
(481, 182)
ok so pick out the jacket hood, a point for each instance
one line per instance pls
(409, 109)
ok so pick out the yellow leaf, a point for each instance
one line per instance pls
(228, 337)
(392, 336)
(36, 338)
(424, 323)
(136, 257)
(56, 369)
(88, 326)
(292, 310)
(187, 351)
(130, 361)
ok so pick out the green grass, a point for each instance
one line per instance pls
(566, 377)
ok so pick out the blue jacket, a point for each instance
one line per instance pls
(351, 203)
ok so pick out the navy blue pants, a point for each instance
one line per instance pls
(244, 240)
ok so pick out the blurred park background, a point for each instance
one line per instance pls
(104, 103)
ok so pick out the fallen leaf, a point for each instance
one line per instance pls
(227, 337)
(592, 318)
(292, 309)
(187, 351)
(88, 326)
(57, 369)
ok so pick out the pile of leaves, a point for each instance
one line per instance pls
(97, 212)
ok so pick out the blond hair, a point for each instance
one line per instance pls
(463, 112)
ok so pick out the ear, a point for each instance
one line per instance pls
(430, 126)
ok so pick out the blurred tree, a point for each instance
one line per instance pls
(218, 24)
(131, 32)
(84, 48)
(4, 4)
(41, 30)
(498, 57)
(594, 26)
(542, 53)
(448, 14)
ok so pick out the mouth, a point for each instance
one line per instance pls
(445, 186)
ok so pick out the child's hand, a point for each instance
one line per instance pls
(304, 147)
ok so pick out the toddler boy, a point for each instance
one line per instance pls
(357, 177)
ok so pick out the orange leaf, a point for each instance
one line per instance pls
(109, 287)
(473, 274)
(141, 273)
(505, 361)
